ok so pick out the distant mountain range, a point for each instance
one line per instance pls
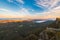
(5, 20)
(11, 19)
(24, 19)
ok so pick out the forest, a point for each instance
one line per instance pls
(28, 30)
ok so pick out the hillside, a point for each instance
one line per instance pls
(55, 24)
(26, 30)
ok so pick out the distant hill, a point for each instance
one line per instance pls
(6, 21)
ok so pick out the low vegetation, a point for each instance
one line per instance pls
(25, 30)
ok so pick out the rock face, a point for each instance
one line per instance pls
(55, 24)
(57, 20)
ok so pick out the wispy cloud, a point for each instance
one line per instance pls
(47, 3)
(15, 2)
(20, 1)
(3, 9)
(25, 14)
(54, 13)
(10, 0)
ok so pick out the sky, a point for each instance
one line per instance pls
(30, 9)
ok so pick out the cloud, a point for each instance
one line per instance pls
(47, 3)
(54, 13)
(10, 0)
(15, 2)
(4, 13)
(20, 1)
(24, 11)
(3, 9)
(25, 14)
